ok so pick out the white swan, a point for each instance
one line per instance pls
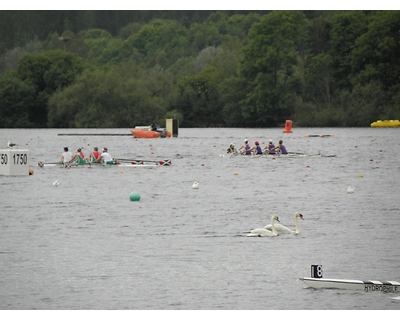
(262, 232)
(283, 229)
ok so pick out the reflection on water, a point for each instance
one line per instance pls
(85, 245)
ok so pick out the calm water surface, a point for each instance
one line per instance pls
(85, 245)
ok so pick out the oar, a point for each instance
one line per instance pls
(244, 152)
(68, 164)
(141, 161)
(137, 160)
(41, 164)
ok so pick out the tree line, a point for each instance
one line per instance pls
(88, 69)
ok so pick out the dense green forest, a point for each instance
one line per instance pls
(109, 69)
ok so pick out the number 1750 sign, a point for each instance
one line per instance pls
(16, 159)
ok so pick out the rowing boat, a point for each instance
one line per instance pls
(146, 132)
(130, 164)
(368, 286)
(283, 156)
(73, 165)
(386, 124)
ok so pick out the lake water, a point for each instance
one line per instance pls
(85, 245)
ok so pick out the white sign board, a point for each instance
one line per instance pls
(14, 162)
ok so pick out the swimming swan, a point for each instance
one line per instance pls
(283, 229)
(262, 232)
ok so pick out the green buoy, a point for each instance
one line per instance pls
(134, 196)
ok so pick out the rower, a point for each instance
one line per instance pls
(106, 158)
(78, 157)
(231, 148)
(270, 147)
(94, 155)
(280, 148)
(245, 147)
(256, 149)
(66, 156)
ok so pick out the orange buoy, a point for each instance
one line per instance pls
(288, 126)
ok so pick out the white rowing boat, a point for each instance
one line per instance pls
(132, 164)
(100, 165)
(283, 156)
(368, 286)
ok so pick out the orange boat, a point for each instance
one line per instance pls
(146, 132)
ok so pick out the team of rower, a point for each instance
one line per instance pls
(104, 157)
(94, 157)
(257, 150)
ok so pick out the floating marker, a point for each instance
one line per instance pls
(195, 185)
(56, 183)
(134, 196)
(350, 190)
(31, 172)
(235, 173)
(288, 126)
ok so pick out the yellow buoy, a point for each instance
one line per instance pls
(235, 173)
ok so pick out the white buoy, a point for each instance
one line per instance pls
(195, 185)
(55, 183)
(350, 190)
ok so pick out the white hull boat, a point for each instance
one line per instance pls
(368, 286)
